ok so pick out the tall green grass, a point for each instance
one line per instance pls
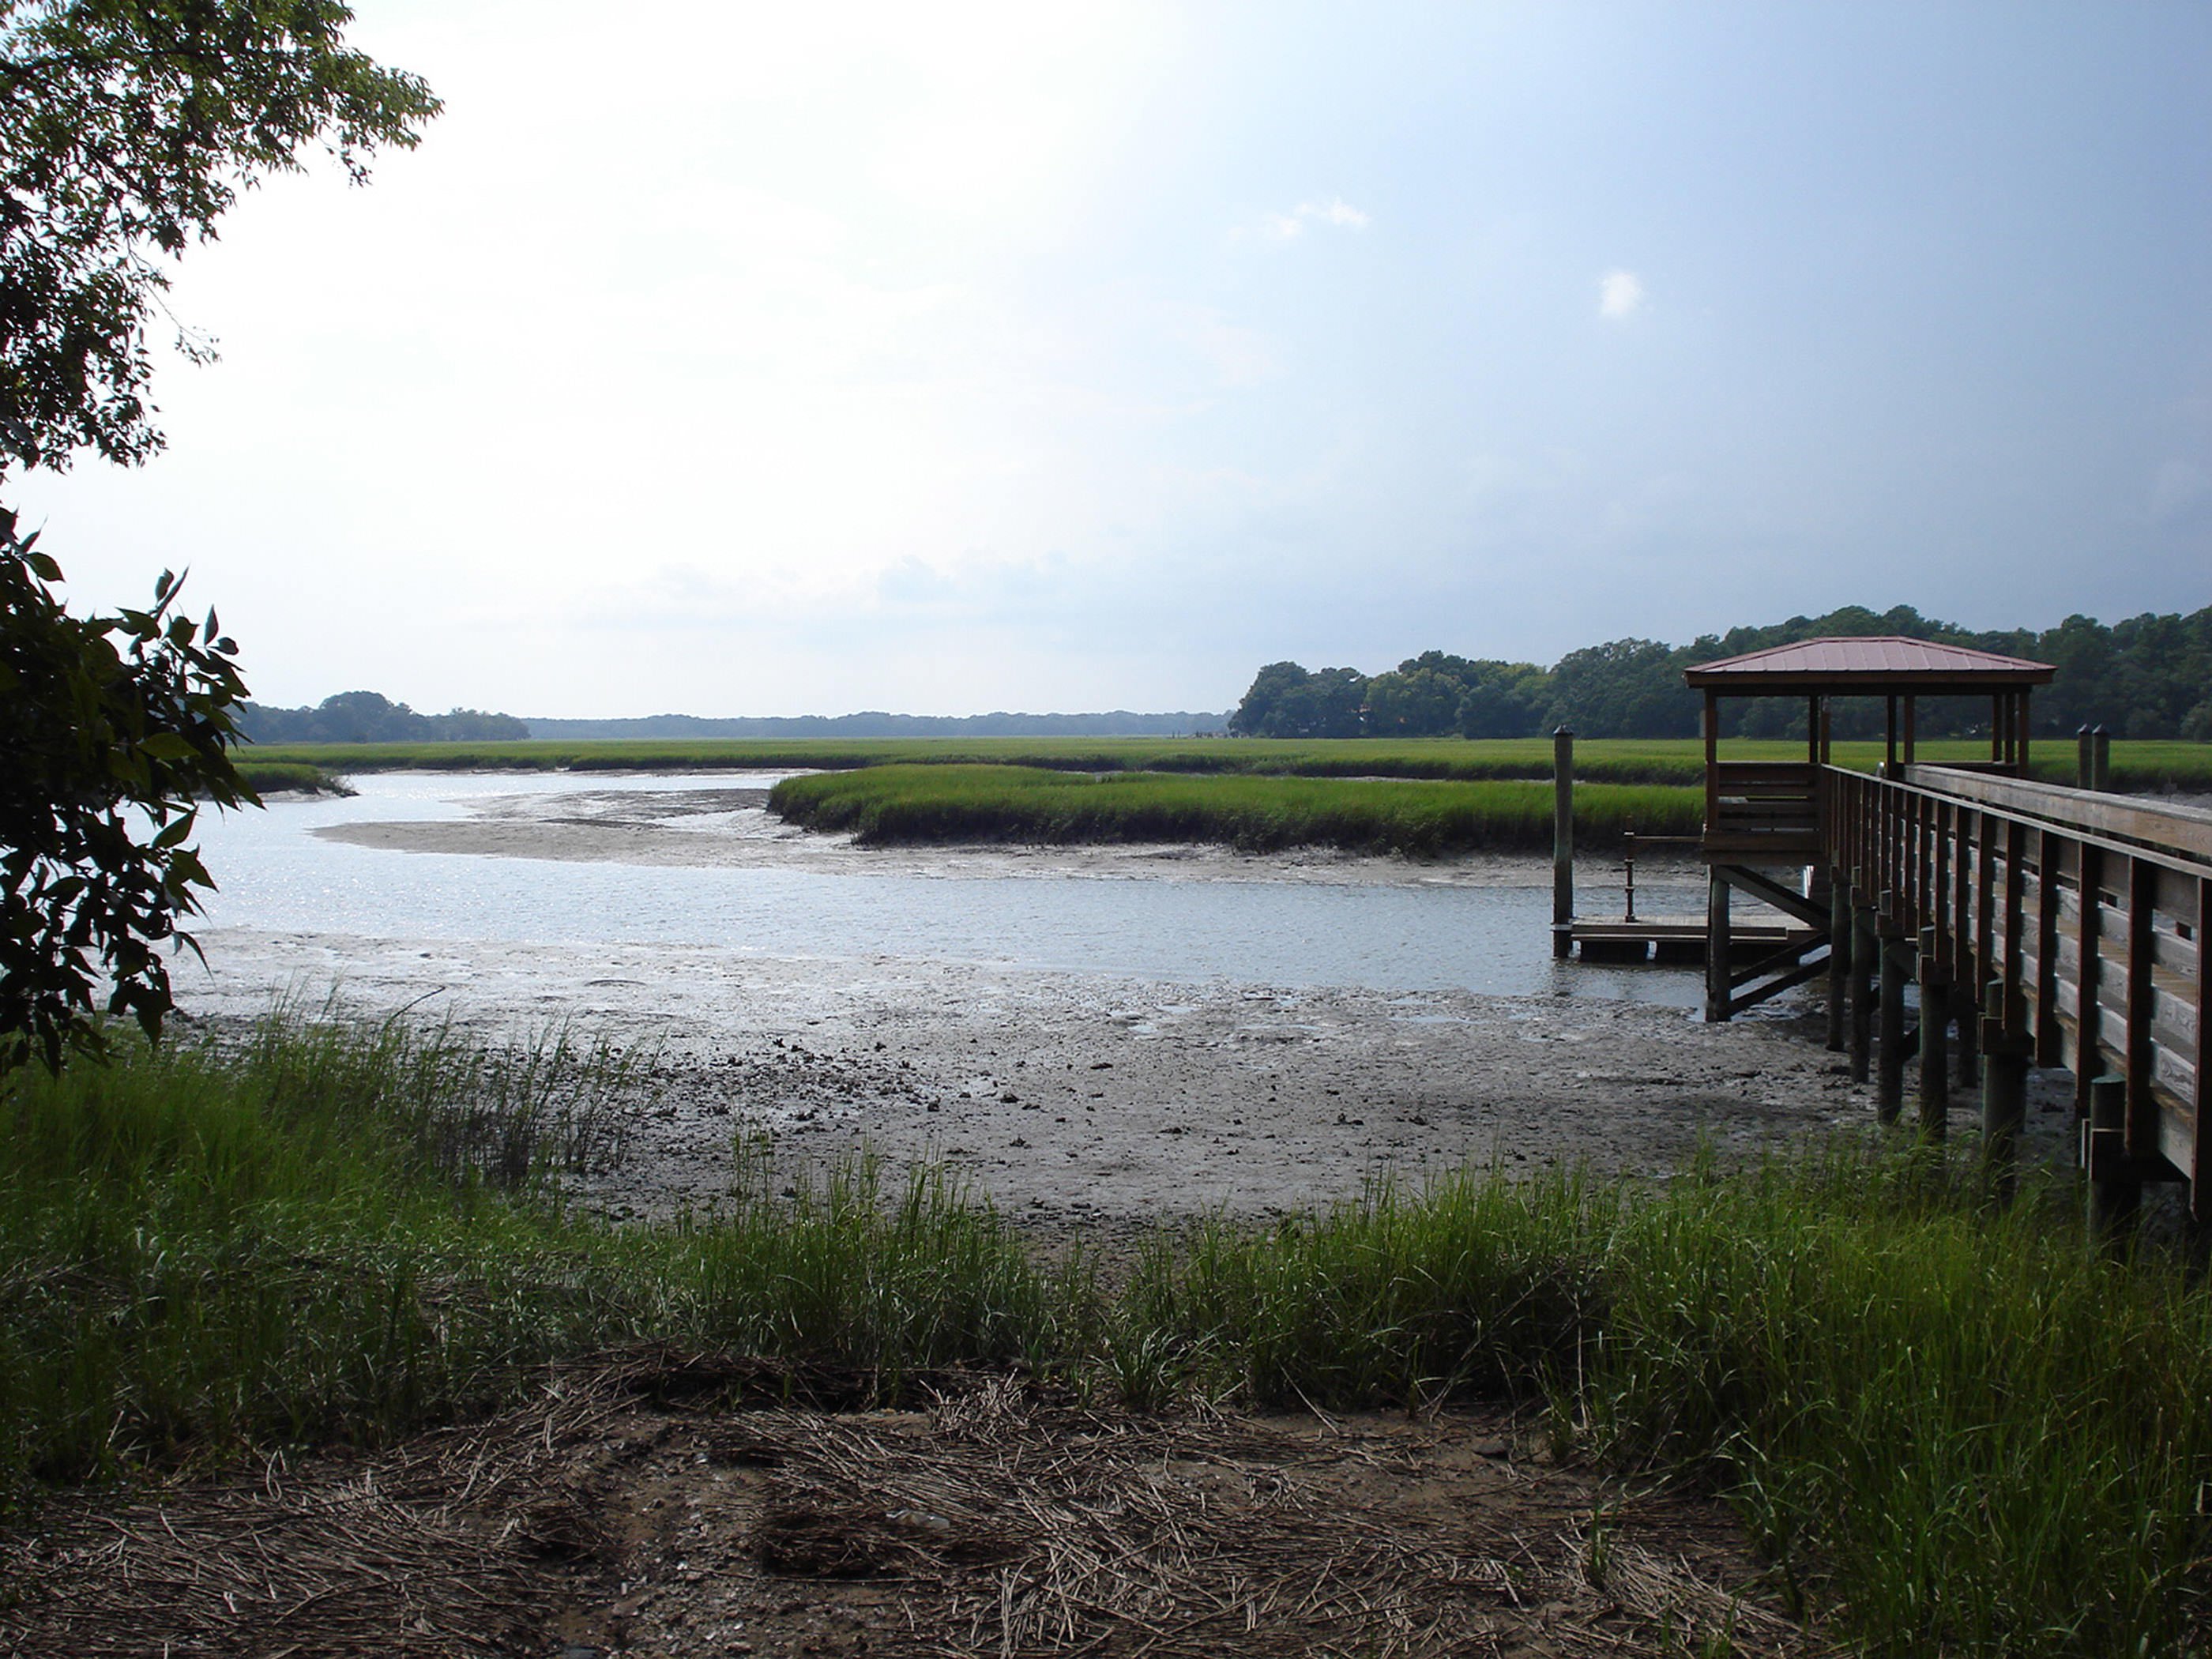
(342, 1231)
(1958, 1428)
(1981, 1434)
(886, 805)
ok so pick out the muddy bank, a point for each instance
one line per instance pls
(731, 828)
(1080, 1100)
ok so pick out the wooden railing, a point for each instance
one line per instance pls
(2077, 920)
(1762, 811)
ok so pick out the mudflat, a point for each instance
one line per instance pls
(1079, 1102)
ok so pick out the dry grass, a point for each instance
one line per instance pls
(648, 1503)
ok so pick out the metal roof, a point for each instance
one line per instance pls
(1866, 664)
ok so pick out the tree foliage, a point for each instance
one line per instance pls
(112, 731)
(371, 717)
(127, 128)
(2147, 677)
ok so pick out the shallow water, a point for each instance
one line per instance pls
(278, 876)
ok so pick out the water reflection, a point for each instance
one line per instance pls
(278, 876)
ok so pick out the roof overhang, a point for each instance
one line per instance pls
(1866, 666)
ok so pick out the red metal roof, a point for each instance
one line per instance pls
(1867, 663)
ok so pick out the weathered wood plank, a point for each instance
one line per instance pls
(2183, 831)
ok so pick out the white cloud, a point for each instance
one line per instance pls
(1335, 211)
(1619, 295)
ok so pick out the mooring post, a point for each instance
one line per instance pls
(1839, 957)
(1864, 948)
(1934, 1049)
(2004, 1088)
(2100, 760)
(1717, 948)
(2115, 1192)
(2085, 759)
(1563, 843)
(1889, 1068)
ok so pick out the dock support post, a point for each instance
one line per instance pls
(2004, 1090)
(1889, 1073)
(1563, 843)
(1839, 958)
(1717, 948)
(1970, 1047)
(1935, 1046)
(2115, 1199)
(1865, 944)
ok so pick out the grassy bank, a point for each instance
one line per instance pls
(1959, 1430)
(2142, 766)
(269, 777)
(888, 805)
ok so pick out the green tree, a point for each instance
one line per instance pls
(127, 128)
(106, 755)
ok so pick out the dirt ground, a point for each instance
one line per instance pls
(656, 1505)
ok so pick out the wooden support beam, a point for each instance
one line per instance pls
(2087, 930)
(1935, 1056)
(1563, 843)
(1839, 957)
(1889, 1076)
(2142, 1124)
(1787, 900)
(1774, 988)
(2115, 1188)
(1717, 947)
(2200, 1173)
(1865, 945)
(2050, 1046)
(2004, 1090)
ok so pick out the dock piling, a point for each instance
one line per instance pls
(1934, 1048)
(2115, 1184)
(2004, 1090)
(1717, 948)
(1889, 1073)
(1865, 944)
(1839, 959)
(1563, 843)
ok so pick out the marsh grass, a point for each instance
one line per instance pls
(2136, 765)
(339, 1231)
(888, 805)
(1955, 1428)
(1976, 1433)
(277, 777)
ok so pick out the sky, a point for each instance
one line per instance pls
(731, 358)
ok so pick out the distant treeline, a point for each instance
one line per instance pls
(1116, 723)
(369, 717)
(2148, 677)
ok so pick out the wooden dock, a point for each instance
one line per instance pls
(1675, 939)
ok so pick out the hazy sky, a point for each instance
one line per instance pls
(734, 358)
